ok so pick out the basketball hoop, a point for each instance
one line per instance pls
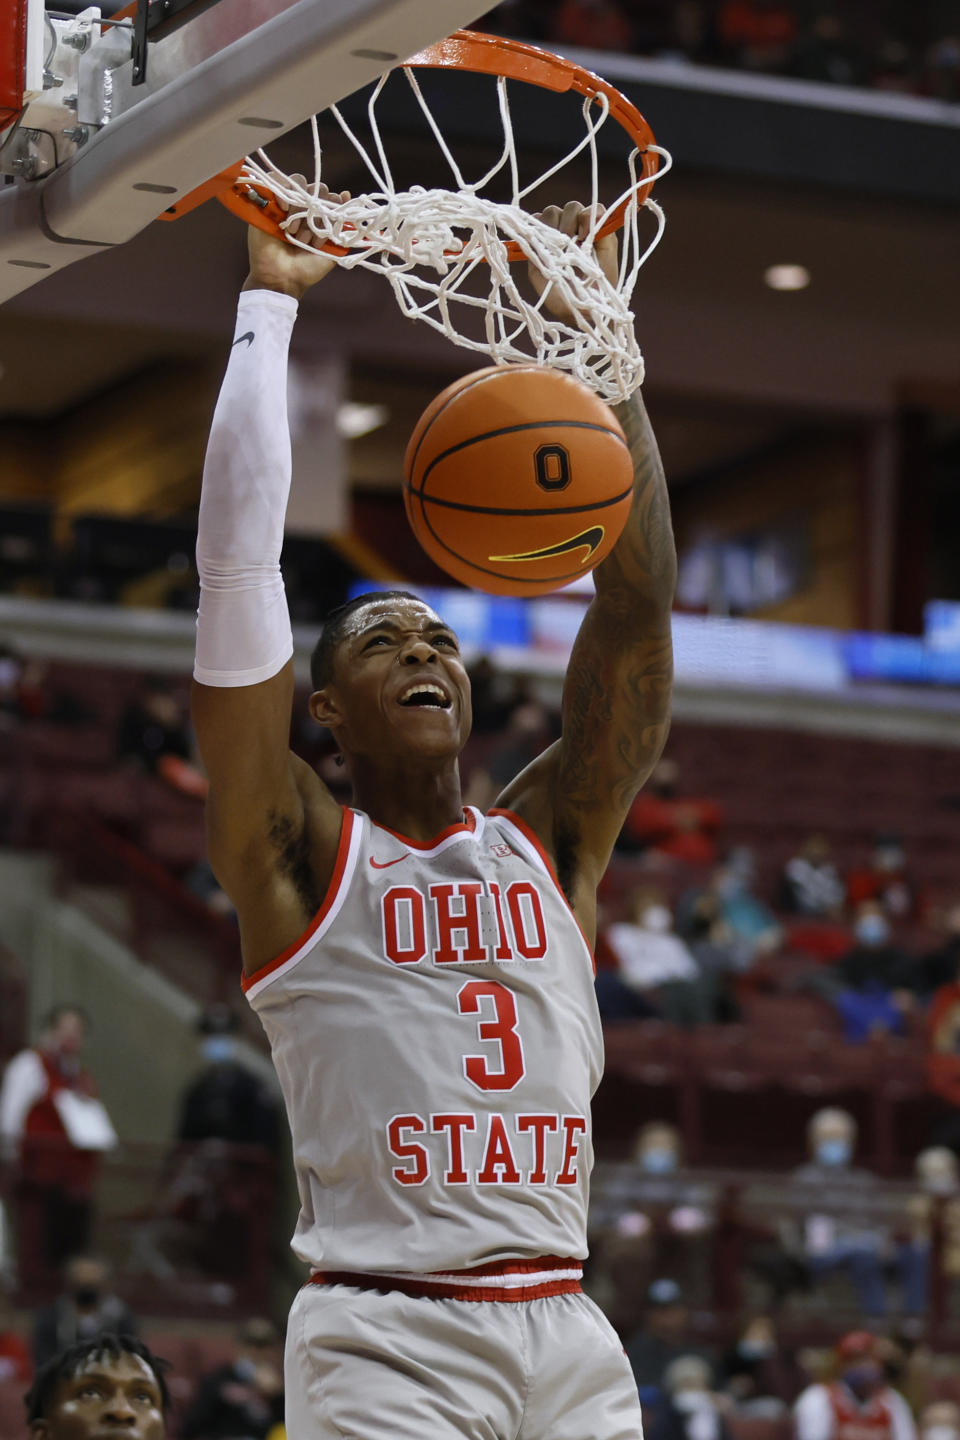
(428, 243)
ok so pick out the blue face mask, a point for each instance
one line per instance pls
(658, 1162)
(217, 1048)
(834, 1152)
(872, 930)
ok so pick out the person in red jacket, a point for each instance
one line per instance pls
(857, 1404)
(51, 1130)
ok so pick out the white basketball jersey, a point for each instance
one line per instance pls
(437, 1039)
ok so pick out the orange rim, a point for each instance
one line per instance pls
(483, 55)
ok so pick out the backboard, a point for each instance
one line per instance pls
(105, 122)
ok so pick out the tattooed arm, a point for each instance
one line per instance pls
(616, 697)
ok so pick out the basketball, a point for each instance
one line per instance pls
(518, 480)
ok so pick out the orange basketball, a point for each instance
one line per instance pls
(518, 480)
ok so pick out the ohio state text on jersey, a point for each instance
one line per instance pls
(436, 1036)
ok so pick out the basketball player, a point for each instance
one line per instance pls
(424, 974)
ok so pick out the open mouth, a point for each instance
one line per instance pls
(424, 696)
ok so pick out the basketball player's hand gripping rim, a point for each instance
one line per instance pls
(275, 265)
(575, 220)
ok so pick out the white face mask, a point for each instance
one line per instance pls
(658, 919)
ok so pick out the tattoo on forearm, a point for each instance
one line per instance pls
(617, 691)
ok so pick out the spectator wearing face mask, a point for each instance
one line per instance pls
(654, 963)
(663, 1337)
(227, 1100)
(834, 1237)
(85, 1309)
(858, 1401)
(691, 1411)
(874, 978)
(938, 1187)
(885, 879)
(756, 1376)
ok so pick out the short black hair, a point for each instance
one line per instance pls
(40, 1397)
(321, 661)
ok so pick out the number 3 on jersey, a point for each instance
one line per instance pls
(480, 997)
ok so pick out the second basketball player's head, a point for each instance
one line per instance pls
(389, 680)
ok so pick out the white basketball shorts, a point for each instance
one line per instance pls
(366, 1364)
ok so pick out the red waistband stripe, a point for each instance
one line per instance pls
(507, 1280)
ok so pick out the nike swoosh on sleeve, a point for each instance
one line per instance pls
(385, 864)
(249, 337)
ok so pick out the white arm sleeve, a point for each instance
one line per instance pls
(243, 625)
(24, 1083)
(813, 1414)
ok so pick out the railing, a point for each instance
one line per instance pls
(730, 1237)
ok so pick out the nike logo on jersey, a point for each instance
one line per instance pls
(249, 337)
(586, 540)
(385, 864)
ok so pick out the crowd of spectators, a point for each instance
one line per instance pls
(909, 49)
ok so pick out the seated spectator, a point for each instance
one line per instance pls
(154, 734)
(857, 1401)
(658, 966)
(886, 879)
(757, 34)
(53, 1129)
(227, 1100)
(112, 1385)
(691, 1411)
(14, 1352)
(244, 1397)
(661, 819)
(810, 885)
(592, 24)
(758, 1377)
(663, 1337)
(833, 1238)
(728, 913)
(874, 978)
(85, 1309)
(938, 1185)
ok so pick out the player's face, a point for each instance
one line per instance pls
(399, 683)
(106, 1399)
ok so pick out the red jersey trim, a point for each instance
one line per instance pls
(535, 841)
(346, 830)
(467, 826)
(479, 1283)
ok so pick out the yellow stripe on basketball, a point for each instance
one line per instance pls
(587, 540)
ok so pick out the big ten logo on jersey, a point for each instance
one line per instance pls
(467, 1149)
(469, 922)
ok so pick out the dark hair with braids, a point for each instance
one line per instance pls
(40, 1397)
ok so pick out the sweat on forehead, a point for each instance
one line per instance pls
(347, 621)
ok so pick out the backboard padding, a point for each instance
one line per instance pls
(208, 104)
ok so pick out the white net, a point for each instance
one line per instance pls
(445, 253)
